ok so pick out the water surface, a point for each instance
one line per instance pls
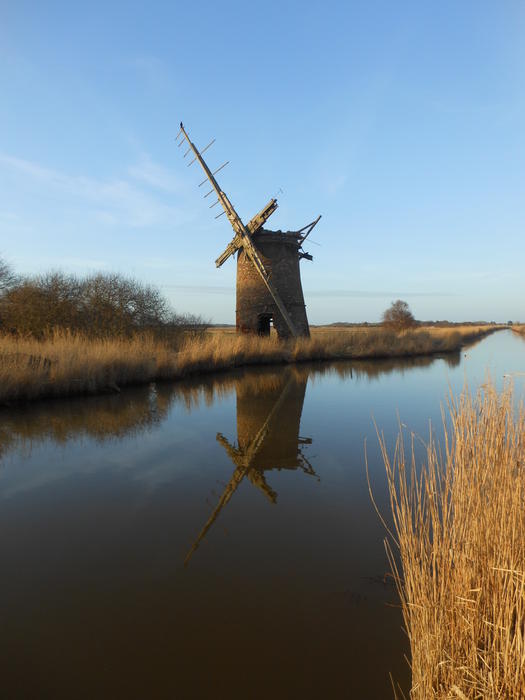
(213, 538)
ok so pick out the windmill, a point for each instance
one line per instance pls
(268, 276)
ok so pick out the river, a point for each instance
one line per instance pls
(214, 538)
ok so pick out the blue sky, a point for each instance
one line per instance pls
(401, 123)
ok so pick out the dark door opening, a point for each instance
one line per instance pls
(263, 324)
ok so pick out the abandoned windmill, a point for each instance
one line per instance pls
(268, 276)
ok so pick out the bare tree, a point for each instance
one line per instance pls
(7, 277)
(98, 305)
(115, 304)
(36, 305)
(398, 316)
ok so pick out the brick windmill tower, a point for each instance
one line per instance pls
(268, 276)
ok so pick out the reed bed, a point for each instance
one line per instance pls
(67, 364)
(458, 551)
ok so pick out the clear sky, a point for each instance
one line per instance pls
(402, 123)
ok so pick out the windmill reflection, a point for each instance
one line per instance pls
(268, 421)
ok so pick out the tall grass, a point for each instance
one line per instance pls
(459, 527)
(66, 364)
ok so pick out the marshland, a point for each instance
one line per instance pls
(62, 335)
(165, 464)
(173, 519)
(261, 408)
(64, 364)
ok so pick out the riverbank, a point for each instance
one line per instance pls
(65, 364)
(459, 530)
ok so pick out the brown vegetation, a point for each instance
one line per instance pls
(398, 316)
(63, 363)
(99, 305)
(459, 526)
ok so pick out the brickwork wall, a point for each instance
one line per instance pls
(279, 253)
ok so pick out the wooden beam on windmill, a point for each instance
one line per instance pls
(240, 230)
(253, 225)
(307, 230)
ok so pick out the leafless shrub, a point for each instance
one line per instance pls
(99, 305)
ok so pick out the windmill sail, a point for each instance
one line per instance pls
(242, 234)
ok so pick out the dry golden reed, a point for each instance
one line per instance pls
(458, 551)
(67, 364)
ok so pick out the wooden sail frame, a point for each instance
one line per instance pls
(242, 236)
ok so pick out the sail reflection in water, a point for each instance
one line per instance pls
(268, 424)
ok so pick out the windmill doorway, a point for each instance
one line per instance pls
(264, 324)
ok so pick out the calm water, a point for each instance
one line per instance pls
(213, 538)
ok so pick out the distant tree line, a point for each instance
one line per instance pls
(102, 304)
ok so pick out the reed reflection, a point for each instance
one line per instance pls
(268, 423)
(140, 409)
(375, 369)
(100, 418)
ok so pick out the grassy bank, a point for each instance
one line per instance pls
(459, 524)
(67, 364)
